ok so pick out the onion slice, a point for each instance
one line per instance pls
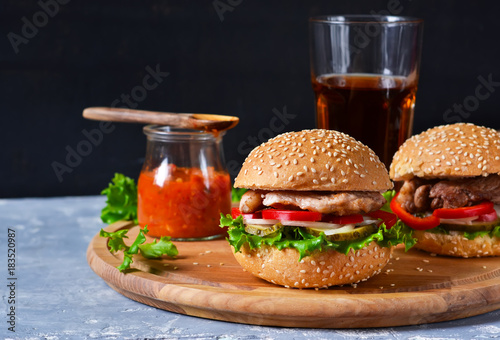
(344, 229)
(260, 221)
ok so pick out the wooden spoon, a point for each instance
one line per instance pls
(197, 121)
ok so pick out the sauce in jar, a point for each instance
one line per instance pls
(187, 204)
(184, 185)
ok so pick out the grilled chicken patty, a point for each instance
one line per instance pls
(338, 203)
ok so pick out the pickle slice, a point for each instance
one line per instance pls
(471, 228)
(353, 234)
(262, 230)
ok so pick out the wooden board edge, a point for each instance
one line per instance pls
(262, 308)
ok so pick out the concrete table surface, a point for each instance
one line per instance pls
(56, 295)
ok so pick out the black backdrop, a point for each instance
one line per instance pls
(238, 57)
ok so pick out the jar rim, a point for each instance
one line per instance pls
(168, 133)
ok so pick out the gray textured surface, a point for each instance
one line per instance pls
(60, 297)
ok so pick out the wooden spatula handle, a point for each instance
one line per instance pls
(134, 116)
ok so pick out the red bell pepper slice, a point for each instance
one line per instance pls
(417, 223)
(388, 218)
(475, 210)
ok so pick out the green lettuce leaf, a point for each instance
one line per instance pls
(306, 243)
(236, 194)
(388, 195)
(495, 232)
(157, 249)
(121, 203)
(469, 235)
(149, 250)
(115, 242)
(400, 233)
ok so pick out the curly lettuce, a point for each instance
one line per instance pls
(388, 195)
(306, 243)
(237, 193)
(470, 235)
(154, 249)
(121, 203)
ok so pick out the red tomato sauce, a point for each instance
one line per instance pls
(183, 202)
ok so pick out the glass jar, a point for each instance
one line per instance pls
(184, 185)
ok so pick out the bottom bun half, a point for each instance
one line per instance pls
(455, 244)
(319, 270)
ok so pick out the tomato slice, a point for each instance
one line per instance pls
(388, 218)
(291, 215)
(414, 222)
(475, 210)
(489, 217)
(235, 212)
(349, 219)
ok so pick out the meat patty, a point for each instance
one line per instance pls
(338, 203)
(419, 195)
(465, 192)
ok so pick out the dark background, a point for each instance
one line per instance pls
(248, 61)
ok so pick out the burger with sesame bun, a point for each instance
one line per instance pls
(314, 214)
(451, 190)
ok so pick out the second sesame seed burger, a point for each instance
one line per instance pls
(451, 190)
(312, 214)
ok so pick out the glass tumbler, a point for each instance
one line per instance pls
(364, 71)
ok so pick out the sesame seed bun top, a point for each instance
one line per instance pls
(313, 160)
(456, 150)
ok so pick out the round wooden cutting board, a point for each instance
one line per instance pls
(206, 281)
